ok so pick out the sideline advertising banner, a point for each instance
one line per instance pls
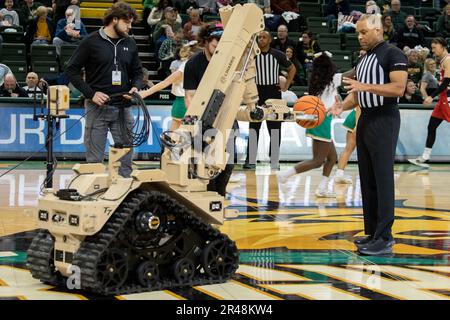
(21, 136)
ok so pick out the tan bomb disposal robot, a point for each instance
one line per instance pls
(154, 230)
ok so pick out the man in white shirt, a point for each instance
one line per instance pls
(32, 81)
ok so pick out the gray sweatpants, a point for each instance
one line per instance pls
(98, 121)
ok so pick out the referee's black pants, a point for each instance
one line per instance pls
(376, 140)
(274, 128)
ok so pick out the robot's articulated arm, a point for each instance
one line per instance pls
(273, 110)
(199, 151)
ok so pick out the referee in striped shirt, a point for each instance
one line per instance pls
(380, 80)
(268, 64)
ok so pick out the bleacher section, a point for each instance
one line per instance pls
(345, 47)
(96, 9)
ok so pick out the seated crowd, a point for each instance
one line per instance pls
(171, 24)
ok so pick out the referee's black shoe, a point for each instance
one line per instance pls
(377, 247)
(363, 241)
(249, 166)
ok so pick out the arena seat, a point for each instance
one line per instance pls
(427, 42)
(317, 25)
(295, 36)
(18, 68)
(12, 37)
(351, 42)
(14, 55)
(408, 10)
(299, 90)
(330, 41)
(359, 7)
(310, 9)
(66, 53)
(44, 59)
(343, 59)
(426, 13)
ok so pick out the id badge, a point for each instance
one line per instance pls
(116, 78)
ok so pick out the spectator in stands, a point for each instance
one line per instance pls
(409, 36)
(282, 41)
(347, 24)
(300, 76)
(334, 7)
(398, 16)
(146, 83)
(28, 11)
(223, 3)
(175, 80)
(166, 53)
(10, 88)
(385, 6)
(429, 82)
(147, 6)
(281, 6)
(69, 31)
(410, 95)
(32, 81)
(415, 69)
(167, 26)
(306, 50)
(423, 53)
(288, 10)
(10, 16)
(4, 70)
(208, 6)
(193, 26)
(443, 24)
(157, 13)
(271, 20)
(41, 29)
(388, 27)
(372, 7)
(61, 7)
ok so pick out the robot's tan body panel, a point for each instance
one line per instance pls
(71, 221)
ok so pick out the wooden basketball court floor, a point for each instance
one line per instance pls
(292, 245)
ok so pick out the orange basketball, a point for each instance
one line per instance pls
(310, 105)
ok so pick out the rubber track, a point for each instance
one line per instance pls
(39, 257)
(92, 248)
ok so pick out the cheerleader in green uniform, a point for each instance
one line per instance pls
(349, 124)
(323, 84)
(176, 80)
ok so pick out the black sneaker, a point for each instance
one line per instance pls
(249, 166)
(377, 247)
(363, 241)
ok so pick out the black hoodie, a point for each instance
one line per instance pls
(96, 54)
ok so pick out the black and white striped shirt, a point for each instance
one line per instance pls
(374, 68)
(268, 67)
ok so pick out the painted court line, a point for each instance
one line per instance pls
(7, 254)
